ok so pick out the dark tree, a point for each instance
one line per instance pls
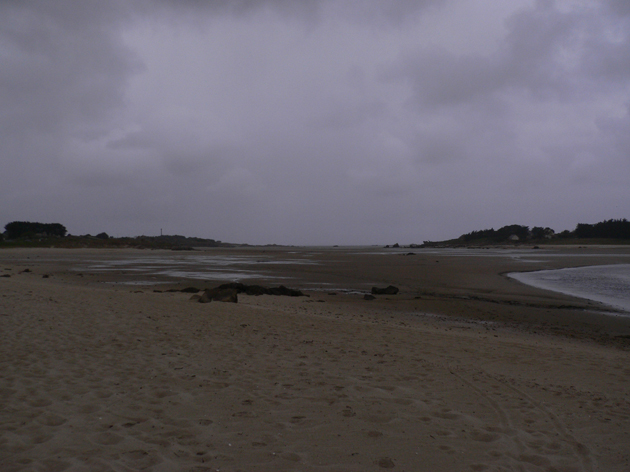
(539, 232)
(26, 229)
(617, 229)
(513, 230)
(497, 236)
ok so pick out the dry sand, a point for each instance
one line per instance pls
(500, 376)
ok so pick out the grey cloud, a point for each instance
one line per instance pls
(61, 66)
(609, 61)
(180, 153)
(619, 129)
(133, 140)
(440, 78)
(63, 73)
(320, 122)
(619, 7)
(384, 14)
(343, 116)
(543, 54)
(381, 13)
(305, 9)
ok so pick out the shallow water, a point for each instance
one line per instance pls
(193, 266)
(609, 284)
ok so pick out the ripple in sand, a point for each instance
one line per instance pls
(386, 463)
(52, 420)
(107, 439)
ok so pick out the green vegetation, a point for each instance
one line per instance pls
(617, 229)
(26, 229)
(27, 234)
(604, 232)
(511, 232)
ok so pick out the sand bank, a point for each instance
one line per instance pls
(463, 370)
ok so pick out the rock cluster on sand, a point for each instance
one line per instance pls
(229, 292)
(391, 290)
(218, 294)
(260, 290)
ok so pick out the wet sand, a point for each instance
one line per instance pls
(465, 369)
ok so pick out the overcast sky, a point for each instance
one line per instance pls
(314, 121)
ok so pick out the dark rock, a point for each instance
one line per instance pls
(282, 290)
(190, 290)
(260, 290)
(220, 295)
(247, 289)
(368, 297)
(184, 290)
(391, 290)
(5, 275)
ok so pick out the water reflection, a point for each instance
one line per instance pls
(609, 284)
(194, 266)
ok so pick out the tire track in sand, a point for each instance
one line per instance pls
(526, 453)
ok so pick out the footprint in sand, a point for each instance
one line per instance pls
(386, 463)
(53, 464)
(290, 456)
(41, 438)
(141, 459)
(107, 439)
(478, 467)
(483, 437)
(245, 414)
(447, 416)
(52, 420)
(534, 459)
(40, 402)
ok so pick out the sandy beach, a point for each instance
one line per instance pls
(464, 370)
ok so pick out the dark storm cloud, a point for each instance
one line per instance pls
(548, 54)
(551, 59)
(62, 64)
(314, 121)
(240, 7)
(380, 12)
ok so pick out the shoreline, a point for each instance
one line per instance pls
(451, 284)
(480, 373)
(618, 306)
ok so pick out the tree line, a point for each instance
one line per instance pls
(618, 229)
(608, 229)
(26, 232)
(26, 229)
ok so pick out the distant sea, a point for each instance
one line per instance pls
(608, 284)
